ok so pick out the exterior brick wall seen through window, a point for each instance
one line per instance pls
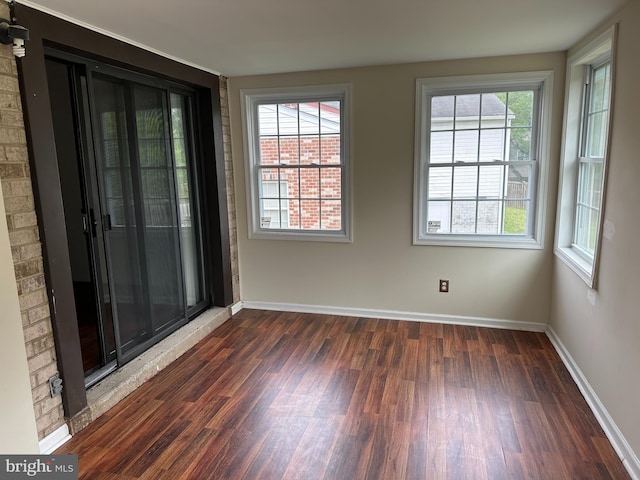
(303, 190)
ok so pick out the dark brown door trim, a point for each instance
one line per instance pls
(49, 31)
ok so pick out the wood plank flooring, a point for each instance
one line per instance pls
(272, 395)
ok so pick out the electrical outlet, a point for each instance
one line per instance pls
(55, 385)
(444, 286)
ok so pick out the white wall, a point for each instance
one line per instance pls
(381, 269)
(17, 422)
(604, 339)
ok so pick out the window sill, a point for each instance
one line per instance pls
(521, 242)
(576, 262)
(332, 237)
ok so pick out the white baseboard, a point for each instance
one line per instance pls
(400, 315)
(615, 436)
(55, 439)
(236, 307)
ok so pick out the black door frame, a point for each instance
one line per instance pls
(47, 30)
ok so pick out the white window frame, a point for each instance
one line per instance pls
(250, 100)
(471, 84)
(600, 49)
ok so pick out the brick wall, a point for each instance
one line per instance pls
(231, 198)
(313, 194)
(25, 245)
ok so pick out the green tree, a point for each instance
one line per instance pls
(520, 105)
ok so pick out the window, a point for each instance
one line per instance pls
(584, 156)
(481, 150)
(298, 162)
(591, 160)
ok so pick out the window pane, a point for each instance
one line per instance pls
(586, 228)
(330, 149)
(270, 213)
(310, 150)
(467, 111)
(518, 181)
(289, 183)
(491, 181)
(590, 183)
(331, 214)
(597, 115)
(288, 119)
(330, 117)
(439, 215)
(596, 135)
(309, 118)
(520, 108)
(493, 110)
(284, 213)
(310, 214)
(269, 151)
(515, 217)
(267, 120)
(309, 183)
(441, 150)
(489, 217)
(442, 113)
(464, 217)
(466, 146)
(492, 144)
(465, 182)
(519, 144)
(289, 151)
(440, 179)
(331, 183)
(269, 183)
(293, 209)
(600, 88)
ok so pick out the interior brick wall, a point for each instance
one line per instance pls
(26, 248)
(231, 202)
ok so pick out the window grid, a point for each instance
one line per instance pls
(587, 209)
(320, 166)
(456, 165)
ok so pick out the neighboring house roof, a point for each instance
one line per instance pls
(468, 106)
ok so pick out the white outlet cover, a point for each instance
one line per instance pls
(608, 230)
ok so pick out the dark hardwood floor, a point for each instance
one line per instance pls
(272, 395)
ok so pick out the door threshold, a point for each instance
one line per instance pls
(97, 375)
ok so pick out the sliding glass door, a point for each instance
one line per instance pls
(127, 159)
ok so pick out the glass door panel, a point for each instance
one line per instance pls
(158, 199)
(120, 215)
(187, 204)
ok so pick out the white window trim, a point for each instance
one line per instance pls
(492, 82)
(248, 100)
(564, 249)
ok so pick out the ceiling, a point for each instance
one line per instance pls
(246, 37)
